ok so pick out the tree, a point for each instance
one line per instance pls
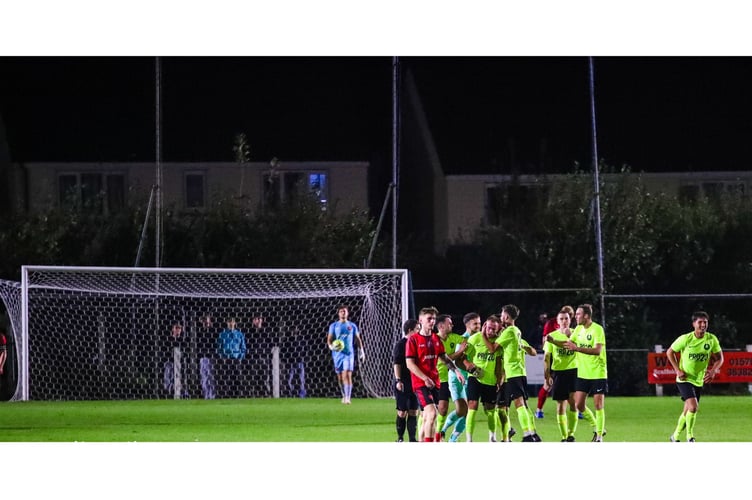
(653, 243)
(228, 234)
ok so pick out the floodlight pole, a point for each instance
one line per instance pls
(597, 195)
(378, 226)
(158, 179)
(395, 153)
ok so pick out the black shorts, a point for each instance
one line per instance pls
(444, 392)
(591, 386)
(427, 396)
(514, 388)
(564, 384)
(406, 399)
(477, 391)
(689, 391)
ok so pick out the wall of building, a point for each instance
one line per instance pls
(38, 188)
(466, 198)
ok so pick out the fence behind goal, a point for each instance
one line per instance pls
(104, 333)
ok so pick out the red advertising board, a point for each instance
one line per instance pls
(737, 367)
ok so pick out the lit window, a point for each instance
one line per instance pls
(288, 186)
(318, 187)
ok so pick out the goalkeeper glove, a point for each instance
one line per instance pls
(476, 372)
(362, 355)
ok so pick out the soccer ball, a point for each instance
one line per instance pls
(338, 345)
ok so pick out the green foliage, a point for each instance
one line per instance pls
(652, 243)
(227, 235)
(296, 234)
(68, 236)
(650, 239)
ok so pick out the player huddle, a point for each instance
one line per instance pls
(486, 364)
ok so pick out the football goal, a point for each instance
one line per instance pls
(100, 333)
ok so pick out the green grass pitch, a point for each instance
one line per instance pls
(303, 448)
(638, 419)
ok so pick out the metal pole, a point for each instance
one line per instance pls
(158, 180)
(658, 387)
(378, 226)
(395, 154)
(597, 195)
(143, 229)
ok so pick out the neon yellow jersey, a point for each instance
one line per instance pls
(477, 353)
(450, 345)
(510, 340)
(460, 365)
(588, 366)
(561, 357)
(695, 355)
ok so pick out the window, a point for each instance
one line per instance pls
(318, 187)
(96, 191)
(194, 190)
(288, 186)
(514, 202)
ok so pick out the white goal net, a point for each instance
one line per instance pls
(109, 333)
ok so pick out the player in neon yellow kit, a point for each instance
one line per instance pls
(560, 371)
(457, 389)
(589, 342)
(698, 348)
(514, 371)
(454, 345)
(485, 376)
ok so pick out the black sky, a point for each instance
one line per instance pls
(487, 114)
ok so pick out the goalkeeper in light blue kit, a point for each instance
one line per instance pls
(343, 352)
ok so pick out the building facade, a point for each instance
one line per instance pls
(186, 186)
(474, 200)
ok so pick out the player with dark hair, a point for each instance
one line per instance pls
(589, 342)
(514, 370)
(698, 349)
(457, 389)
(406, 400)
(560, 373)
(341, 339)
(424, 348)
(454, 346)
(485, 377)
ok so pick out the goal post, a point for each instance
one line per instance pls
(90, 333)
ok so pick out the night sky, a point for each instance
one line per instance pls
(487, 114)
